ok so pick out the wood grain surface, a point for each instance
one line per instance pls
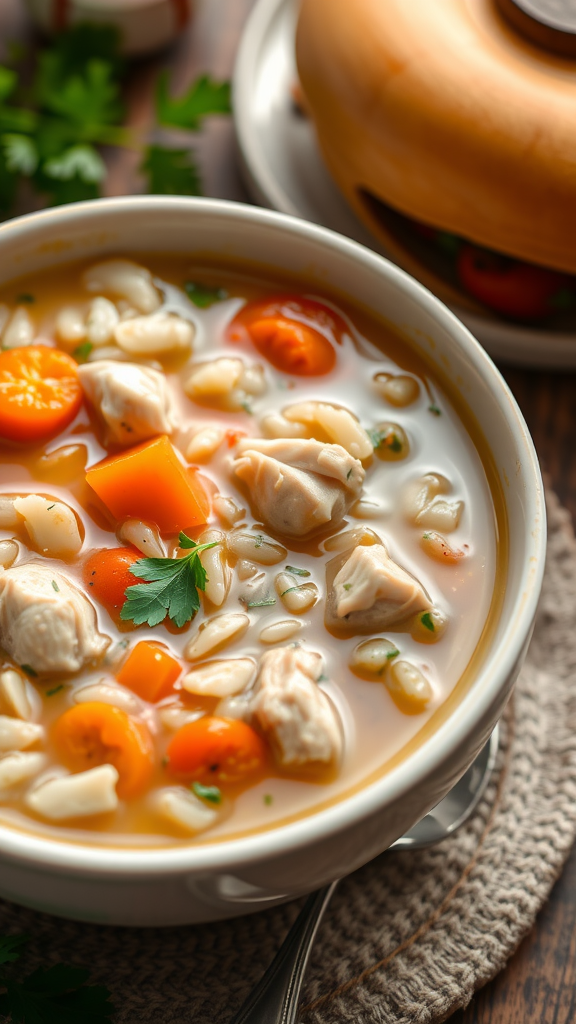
(539, 984)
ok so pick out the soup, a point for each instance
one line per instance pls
(249, 551)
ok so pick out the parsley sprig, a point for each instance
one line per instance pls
(54, 121)
(171, 587)
(49, 995)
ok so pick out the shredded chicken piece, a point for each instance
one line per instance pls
(133, 401)
(293, 711)
(45, 622)
(297, 485)
(370, 591)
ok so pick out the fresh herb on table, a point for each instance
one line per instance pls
(202, 295)
(210, 793)
(53, 124)
(171, 587)
(49, 995)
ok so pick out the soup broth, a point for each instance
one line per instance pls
(352, 570)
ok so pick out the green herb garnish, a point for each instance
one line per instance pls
(385, 437)
(268, 799)
(48, 507)
(434, 410)
(210, 793)
(55, 586)
(349, 474)
(171, 587)
(29, 671)
(204, 97)
(392, 654)
(202, 295)
(347, 586)
(25, 299)
(82, 351)
(259, 540)
(296, 571)
(262, 604)
(426, 620)
(289, 591)
(55, 689)
(49, 995)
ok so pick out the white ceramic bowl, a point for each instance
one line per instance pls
(221, 879)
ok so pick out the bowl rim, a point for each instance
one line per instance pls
(79, 858)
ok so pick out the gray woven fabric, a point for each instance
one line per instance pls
(408, 938)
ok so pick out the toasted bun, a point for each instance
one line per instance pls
(439, 109)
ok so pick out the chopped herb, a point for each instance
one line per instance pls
(49, 995)
(82, 352)
(55, 586)
(426, 621)
(171, 587)
(322, 678)
(49, 507)
(289, 591)
(349, 474)
(296, 571)
(202, 295)
(387, 437)
(210, 793)
(426, 536)
(25, 299)
(248, 407)
(259, 540)
(268, 799)
(347, 586)
(29, 671)
(55, 689)
(392, 654)
(262, 604)
(434, 410)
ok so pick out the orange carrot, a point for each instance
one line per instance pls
(217, 750)
(40, 393)
(94, 733)
(107, 573)
(150, 671)
(151, 483)
(296, 335)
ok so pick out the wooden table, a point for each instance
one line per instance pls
(539, 984)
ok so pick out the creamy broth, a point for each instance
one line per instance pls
(375, 729)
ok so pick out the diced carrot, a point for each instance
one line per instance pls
(40, 393)
(151, 483)
(150, 671)
(217, 750)
(233, 436)
(107, 573)
(95, 733)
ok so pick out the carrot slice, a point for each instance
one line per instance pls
(95, 733)
(217, 750)
(107, 573)
(40, 393)
(150, 671)
(297, 335)
(151, 483)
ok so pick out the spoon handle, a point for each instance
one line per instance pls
(275, 998)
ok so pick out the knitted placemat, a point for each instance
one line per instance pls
(411, 936)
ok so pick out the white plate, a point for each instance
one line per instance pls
(284, 170)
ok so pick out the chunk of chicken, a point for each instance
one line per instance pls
(296, 485)
(368, 592)
(293, 711)
(133, 401)
(45, 622)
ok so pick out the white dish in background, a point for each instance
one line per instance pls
(144, 25)
(284, 170)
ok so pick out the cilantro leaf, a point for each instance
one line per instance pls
(71, 50)
(78, 161)
(210, 793)
(8, 946)
(171, 587)
(55, 995)
(204, 97)
(171, 172)
(90, 98)
(202, 295)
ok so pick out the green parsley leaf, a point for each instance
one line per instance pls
(386, 437)
(296, 571)
(266, 603)
(202, 295)
(205, 96)
(82, 162)
(427, 622)
(434, 410)
(54, 690)
(89, 98)
(29, 671)
(171, 172)
(55, 995)
(54, 584)
(268, 799)
(8, 946)
(392, 654)
(210, 793)
(82, 352)
(171, 587)
(20, 153)
(347, 586)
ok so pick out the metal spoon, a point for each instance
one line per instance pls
(274, 1000)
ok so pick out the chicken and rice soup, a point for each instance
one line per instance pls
(248, 551)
